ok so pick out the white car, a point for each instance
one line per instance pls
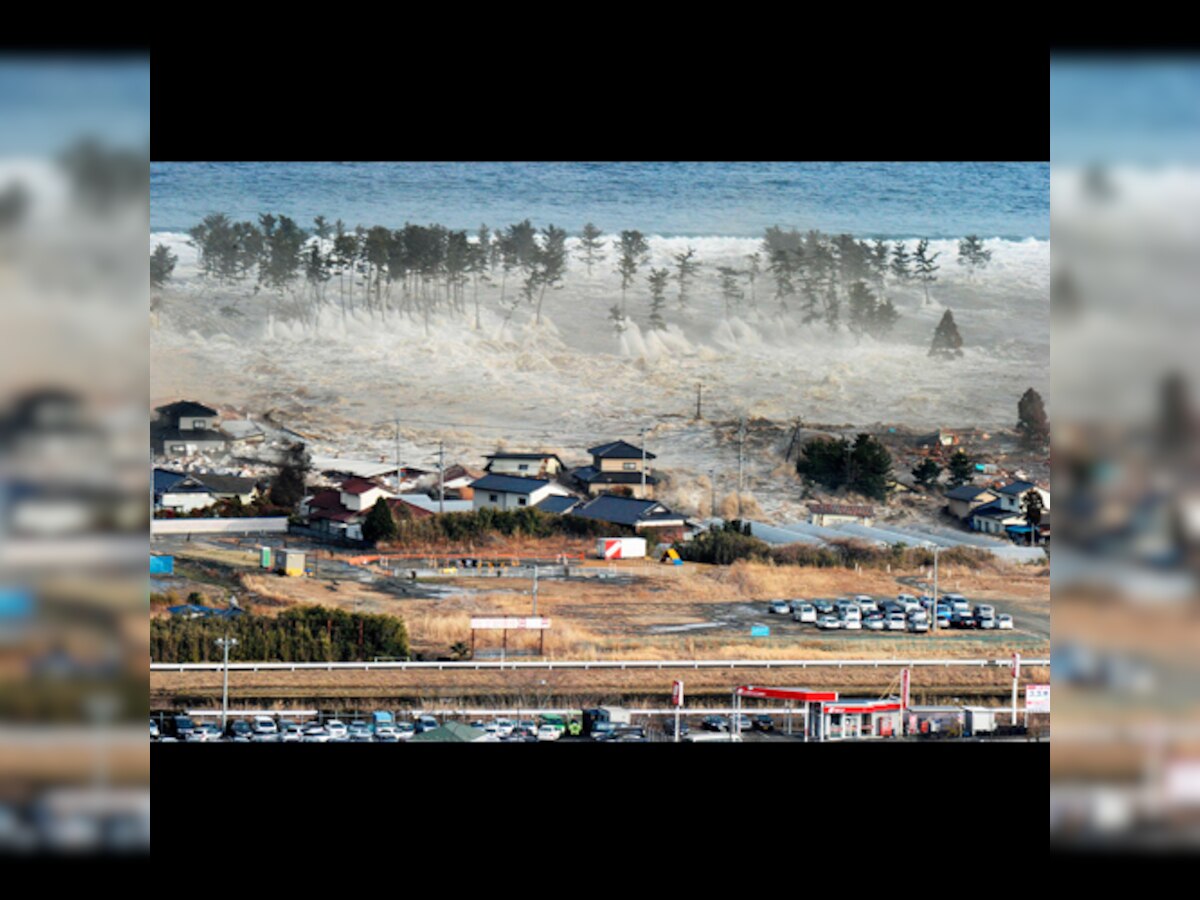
(908, 601)
(866, 602)
(264, 725)
(315, 734)
(895, 622)
(826, 623)
(387, 734)
(504, 727)
(202, 734)
(548, 733)
(290, 733)
(852, 612)
(360, 732)
(425, 723)
(780, 607)
(405, 730)
(1004, 621)
(852, 624)
(337, 730)
(875, 622)
(918, 625)
(805, 613)
(154, 735)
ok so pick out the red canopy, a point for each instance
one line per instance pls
(804, 695)
(873, 706)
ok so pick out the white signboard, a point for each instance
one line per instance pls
(1037, 698)
(507, 622)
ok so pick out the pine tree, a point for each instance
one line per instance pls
(924, 267)
(552, 263)
(861, 303)
(686, 267)
(926, 473)
(883, 319)
(617, 318)
(1032, 423)
(901, 263)
(1031, 507)
(590, 246)
(658, 287)
(162, 264)
(289, 485)
(946, 340)
(755, 266)
(961, 469)
(731, 291)
(379, 524)
(635, 252)
(972, 255)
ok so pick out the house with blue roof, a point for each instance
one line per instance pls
(634, 513)
(617, 467)
(494, 491)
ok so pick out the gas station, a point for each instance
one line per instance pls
(825, 717)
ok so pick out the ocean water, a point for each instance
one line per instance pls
(887, 200)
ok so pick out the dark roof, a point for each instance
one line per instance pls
(618, 450)
(624, 510)
(501, 455)
(592, 475)
(186, 408)
(508, 484)
(186, 435)
(188, 484)
(557, 504)
(196, 609)
(227, 484)
(328, 499)
(965, 492)
(1017, 487)
(359, 485)
(992, 510)
(164, 478)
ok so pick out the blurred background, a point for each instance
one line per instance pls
(1125, 226)
(74, 295)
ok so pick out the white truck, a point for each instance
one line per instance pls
(621, 548)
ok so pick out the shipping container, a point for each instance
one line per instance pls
(621, 548)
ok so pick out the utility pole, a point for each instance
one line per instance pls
(398, 475)
(712, 480)
(225, 643)
(741, 441)
(441, 477)
(642, 441)
(933, 625)
(535, 582)
(699, 388)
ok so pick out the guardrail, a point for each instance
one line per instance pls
(469, 665)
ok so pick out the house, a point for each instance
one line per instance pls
(1010, 495)
(829, 514)
(511, 491)
(243, 430)
(341, 511)
(965, 498)
(993, 518)
(360, 494)
(530, 465)
(558, 504)
(618, 467)
(456, 482)
(186, 427)
(184, 492)
(422, 506)
(634, 513)
(230, 487)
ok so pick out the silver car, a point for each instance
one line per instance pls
(829, 623)
(806, 613)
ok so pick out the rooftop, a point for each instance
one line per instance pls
(841, 509)
(592, 475)
(625, 510)
(1016, 487)
(966, 492)
(186, 408)
(618, 450)
(509, 484)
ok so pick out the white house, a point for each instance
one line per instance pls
(185, 428)
(1010, 495)
(511, 492)
(526, 465)
(359, 495)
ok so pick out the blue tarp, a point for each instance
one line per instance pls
(162, 565)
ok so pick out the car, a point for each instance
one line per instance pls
(337, 730)
(829, 623)
(895, 622)
(425, 723)
(715, 723)
(887, 607)
(211, 731)
(199, 734)
(763, 722)
(504, 727)
(523, 733)
(745, 722)
(529, 725)
(780, 607)
(963, 620)
(289, 732)
(405, 730)
(387, 734)
(668, 726)
(985, 611)
(630, 736)
(918, 625)
(154, 735)
(907, 602)
(1004, 620)
(823, 607)
(239, 730)
(359, 731)
(866, 603)
(806, 614)
(875, 622)
(852, 624)
(315, 734)
(987, 623)
(264, 725)
(851, 611)
(547, 733)
(181, 727)
(918, 614)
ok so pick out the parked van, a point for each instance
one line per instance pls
(806, 613)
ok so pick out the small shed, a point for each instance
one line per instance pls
(979, 720)
(293, 562)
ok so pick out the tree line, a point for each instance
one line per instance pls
(427, 270)
(403, 527)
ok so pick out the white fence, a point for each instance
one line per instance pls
(600, 664)
(244, 525)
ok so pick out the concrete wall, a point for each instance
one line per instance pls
(246, 525)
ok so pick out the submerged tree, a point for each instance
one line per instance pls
(1032, 423)
(754, 266)
(634, 252)
(686, 268)
(946, 340)
(925, 267)
(379, 524)
(926, 473)
(658, 287)
(901, 263)
(590, 246)
(961, 469)
(731, 291)
(617, 318)
(864, 466)
(972, 255)
(552, 263)
(289, 484)
(162, 264)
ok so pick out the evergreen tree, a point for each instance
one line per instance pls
(658, 287)
(731, 291)
(1032, 423)
(634, 252)
(781, 267)
(861, 303)
(379, 524)
(871, 467)
(552, 263)
(617, 318)
(864, 467)
(162, 264)
(883, 319)
(754, 266)
(961, 469)
(590, 246)
(972, 256)
(1031, 507)
(901, 263)
(925, 267)
(946, 340)
(879, 265)
(289, 485)
(686, 268)
(926, 473)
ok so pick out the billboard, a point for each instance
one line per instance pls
(507, 622)
(1037, 698)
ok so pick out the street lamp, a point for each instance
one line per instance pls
(933, 612)
(225, 643)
